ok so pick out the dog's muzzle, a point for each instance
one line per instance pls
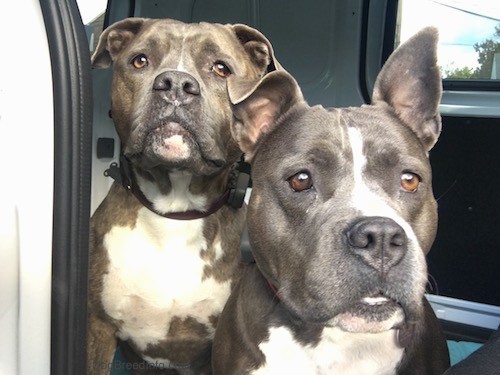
(380, 242)
(179, 88)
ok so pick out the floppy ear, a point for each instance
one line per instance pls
(114, 39)
(410, 82)
(258, 106)
(257, 46)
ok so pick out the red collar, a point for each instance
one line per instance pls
(273, 288)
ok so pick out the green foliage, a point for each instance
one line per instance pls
(460, 73)
(486, 51)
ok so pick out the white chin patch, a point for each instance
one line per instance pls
(358, 324)
(371, 314)
(175, 148)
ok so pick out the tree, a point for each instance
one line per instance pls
(486, 51)
(460, 73)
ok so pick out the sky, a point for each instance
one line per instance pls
(90, 9)
(461, 24)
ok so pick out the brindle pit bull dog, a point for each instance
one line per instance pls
(164, 245)
(340, 219)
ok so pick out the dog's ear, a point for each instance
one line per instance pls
(257, 46)
(114, 39)
(259, 105)
(410, 82)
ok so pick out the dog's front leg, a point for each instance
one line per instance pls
(101, 346)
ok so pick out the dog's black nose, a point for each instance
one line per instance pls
(180, 88)
(379, 241)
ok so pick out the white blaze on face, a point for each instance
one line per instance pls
(180, 66)
(363, 197)
(371, 203)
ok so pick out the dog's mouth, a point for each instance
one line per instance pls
(169, 143)
(171, 140)
(171, 129)
(174, 146)
(371, 314)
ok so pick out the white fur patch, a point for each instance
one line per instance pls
(338, 352)
(371, 204)
(156, 273)
(179, 199)
(175, 147)
(182, 56)
(362, 197)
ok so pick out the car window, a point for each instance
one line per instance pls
(92, 12)
(469, 34)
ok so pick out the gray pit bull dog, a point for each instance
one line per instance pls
(164, 245)
(340, 219)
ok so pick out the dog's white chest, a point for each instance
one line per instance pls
(156, 273)
(337, 352)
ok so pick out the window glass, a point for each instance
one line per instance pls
(469, 31)
(92, 12)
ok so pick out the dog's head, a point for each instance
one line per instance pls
(342, 211)
(169, 99)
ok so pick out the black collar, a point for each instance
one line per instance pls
(234, 195)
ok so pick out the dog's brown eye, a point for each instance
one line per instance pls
(221, 69)
(300, 181)
(410, 182)
(140, 61)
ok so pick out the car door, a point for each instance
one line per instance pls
(45, 118)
